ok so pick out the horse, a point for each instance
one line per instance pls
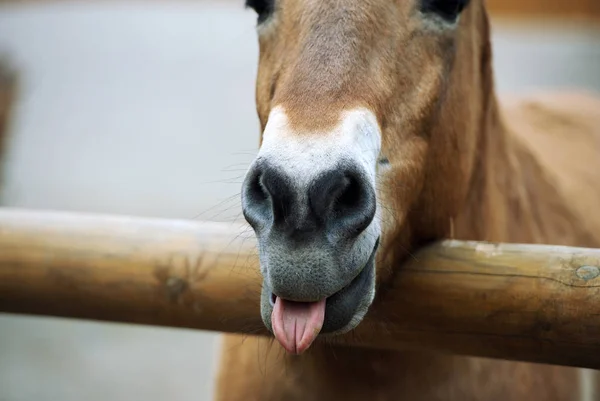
(381, 132)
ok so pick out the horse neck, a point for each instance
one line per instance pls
(510, 193)
(498, 204)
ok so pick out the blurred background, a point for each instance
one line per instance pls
(147, 108)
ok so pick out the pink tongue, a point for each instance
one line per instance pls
(297, 324)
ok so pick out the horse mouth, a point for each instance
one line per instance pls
(297, 324)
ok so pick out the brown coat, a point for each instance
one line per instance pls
(523, 170)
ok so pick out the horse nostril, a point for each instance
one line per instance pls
(255, 198)
(343, 200)
(266, 196)
(256, 190)
(350, 196)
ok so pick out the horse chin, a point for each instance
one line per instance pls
(344, 310)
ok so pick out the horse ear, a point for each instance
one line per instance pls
(449, 10)
(264, 8)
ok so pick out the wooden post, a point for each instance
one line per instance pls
(518, 302)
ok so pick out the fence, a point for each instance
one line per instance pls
(535, 303)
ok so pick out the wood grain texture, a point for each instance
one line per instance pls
(518, 302)
(116, 268)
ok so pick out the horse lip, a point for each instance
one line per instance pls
(364, 270)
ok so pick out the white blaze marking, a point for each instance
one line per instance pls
(303, 157)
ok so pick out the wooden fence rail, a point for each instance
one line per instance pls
(519, 302)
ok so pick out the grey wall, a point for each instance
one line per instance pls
(149, 110)
(129, 109)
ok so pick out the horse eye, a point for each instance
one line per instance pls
(449, 10)
(263, 8)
